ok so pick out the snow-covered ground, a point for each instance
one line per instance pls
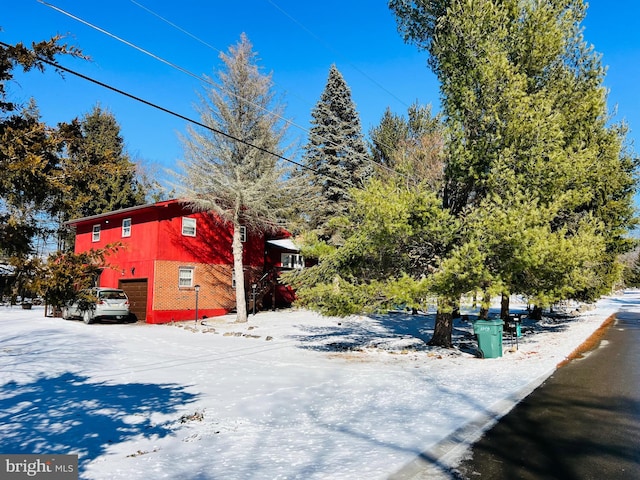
(289, 395)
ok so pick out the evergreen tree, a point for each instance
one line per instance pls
(335, 155)
(396, 237)
(12, 56)
(28, 153)
(230, 169)
(386, 138)
(631, 262)
(63, 277)
(524, 102)
(99, 176)
(411, 146)
(28, 160)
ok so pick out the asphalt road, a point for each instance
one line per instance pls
(582, 423)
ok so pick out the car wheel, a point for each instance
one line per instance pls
(87, 317)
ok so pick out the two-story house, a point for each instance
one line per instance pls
(168, 250)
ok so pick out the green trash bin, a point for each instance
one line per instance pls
(489, 333)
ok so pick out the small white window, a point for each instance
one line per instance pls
(185, 277)
(188, 227)
(243, 233)
(126, 227)
(292, 260)
(233, 279)
(95, 236)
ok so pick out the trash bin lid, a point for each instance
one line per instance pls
(497, 321)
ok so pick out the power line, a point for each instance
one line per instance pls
(166, 110)
(177, 27)
(205, 80)
(170, 64)
(206, 44)
(307, 131)
(331, 49)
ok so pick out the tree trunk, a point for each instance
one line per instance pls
(238, 268)
(536, 313)
(444, 324)
(504, 306)
(484, 307)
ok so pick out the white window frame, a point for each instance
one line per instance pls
(233, 279)
(126, 227)
(95, 233)
(188, 227)
(185, 277)
(292, 260)
(243, 233)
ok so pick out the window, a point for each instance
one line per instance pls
(188, 227)
(95, 236)
(243, 233)
(233, 279)
(185, 277)
(292, 260)
(126, 227)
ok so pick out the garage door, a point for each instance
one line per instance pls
(136, 290)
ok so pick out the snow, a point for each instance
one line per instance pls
(289, 395)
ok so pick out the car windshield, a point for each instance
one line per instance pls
(112, 295)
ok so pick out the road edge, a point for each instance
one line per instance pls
(437, 462)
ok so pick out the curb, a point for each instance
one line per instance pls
(436, 462)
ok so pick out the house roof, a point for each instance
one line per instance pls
(284, 243)
(122, 211)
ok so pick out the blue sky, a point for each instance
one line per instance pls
(297, 41)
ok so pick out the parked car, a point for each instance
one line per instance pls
(111, 303)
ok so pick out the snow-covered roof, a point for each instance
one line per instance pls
(285, 243)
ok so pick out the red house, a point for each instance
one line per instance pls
(169, 250)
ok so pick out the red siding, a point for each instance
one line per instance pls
(156, 241)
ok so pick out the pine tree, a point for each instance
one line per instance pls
(233, 168)
(412, 147)
(99, 176)
(526, 111)
(396, 237)
(28, 152)
(65, 275)
(28, 161)
(386, 138)
(335, 155)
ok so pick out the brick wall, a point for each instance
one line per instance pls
(215, 287)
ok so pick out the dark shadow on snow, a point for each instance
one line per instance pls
(390, 331)
(71, 414)
(404, 331)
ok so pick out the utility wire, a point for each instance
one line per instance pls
(187, 119)
(307, 131)
(177, 27)
(166, 110)
(170, 64)
(331, 49)
(201, 79)
(290, 17)
(208, 45)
